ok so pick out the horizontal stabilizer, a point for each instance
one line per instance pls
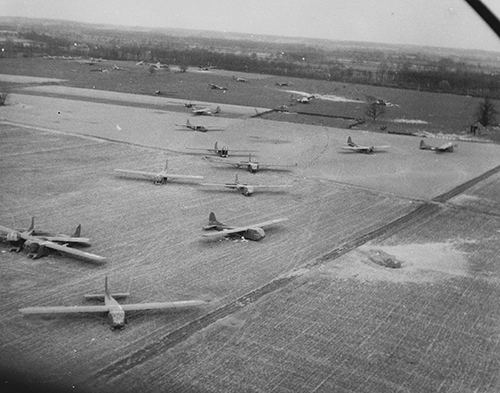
(100, 296)
(83, 241)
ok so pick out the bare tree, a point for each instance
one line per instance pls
(374, 109)
(486, 112)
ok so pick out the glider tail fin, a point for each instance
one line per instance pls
(106, 289)
(78, 231)
(32, 225)
(213, 223)
(212, 220)
(106, 295)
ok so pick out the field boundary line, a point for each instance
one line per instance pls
(472, 209)
(464, 186)
(275, 110)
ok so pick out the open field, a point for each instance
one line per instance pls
(151, 237)
(330, 328)
(352, 326)
(440, 112)
(402, 170)
(482, 198)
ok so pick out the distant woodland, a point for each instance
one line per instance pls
(474, 73)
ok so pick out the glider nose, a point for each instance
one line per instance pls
(116, 319)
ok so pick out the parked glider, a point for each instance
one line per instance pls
(240, 79)
(223, 152)
(115, 310)
(206, 111)
(250, 232)
(82, 241)
(244, 188)
(158, 66)
(198, 128)
(304, 100)
(447, 147)
(157, 177)
(213, 86)
(362, 149)
(39, 244)
(251, 166)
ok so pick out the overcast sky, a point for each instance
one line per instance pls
(445, 23)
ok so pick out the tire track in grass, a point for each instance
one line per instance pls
(173, 338)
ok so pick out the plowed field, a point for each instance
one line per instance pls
(329, 328)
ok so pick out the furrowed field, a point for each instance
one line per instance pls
(281, 316)
(151, 235)
(353, 326)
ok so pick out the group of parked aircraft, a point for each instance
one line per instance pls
(162, 176)
(38, 243)
(351, 146)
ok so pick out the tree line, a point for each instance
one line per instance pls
(300, 61)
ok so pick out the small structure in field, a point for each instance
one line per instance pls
(384, 259)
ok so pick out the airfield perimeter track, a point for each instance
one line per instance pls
(173, 338)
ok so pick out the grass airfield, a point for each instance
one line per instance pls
(434, 112)
(339, 324)
(402, 169)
